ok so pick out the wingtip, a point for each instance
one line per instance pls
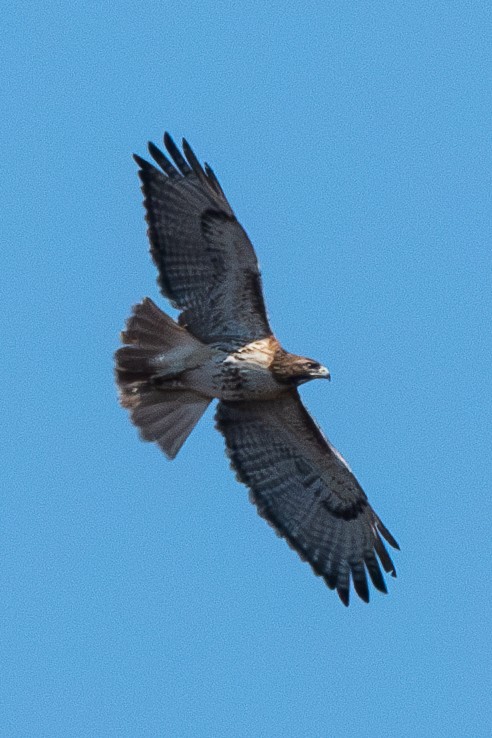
(138, 160)
(344, 596)
(170, 145)
(189, 153)
(387, 535)
(186, 147)
(361, 589)
(155, 153)
(392, 541)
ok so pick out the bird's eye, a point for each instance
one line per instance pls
(312, 365)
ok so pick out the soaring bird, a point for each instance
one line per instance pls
(222, 347)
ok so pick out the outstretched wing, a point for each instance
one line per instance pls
(207, 265)
(306, 491)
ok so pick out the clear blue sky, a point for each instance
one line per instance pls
(141, 597)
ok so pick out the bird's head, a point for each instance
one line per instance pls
(292, 369)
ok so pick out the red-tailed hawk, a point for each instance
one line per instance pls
(222, 347)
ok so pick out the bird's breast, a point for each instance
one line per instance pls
(245, 379)
(245, 373)
(258, 353)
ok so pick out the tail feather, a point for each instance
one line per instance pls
(167, 417)
(150, 328)
(158, 350)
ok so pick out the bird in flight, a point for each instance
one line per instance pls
(222, 347)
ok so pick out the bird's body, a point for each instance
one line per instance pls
(239, 375)
(246, 374)
(222, 347)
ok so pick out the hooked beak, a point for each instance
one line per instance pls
(323, 373)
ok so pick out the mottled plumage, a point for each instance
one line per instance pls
(222, 348)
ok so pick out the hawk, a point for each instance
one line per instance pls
(222, 347)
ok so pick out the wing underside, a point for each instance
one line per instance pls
(306, 491)
(207, 265)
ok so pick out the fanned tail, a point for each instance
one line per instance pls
(158, 350)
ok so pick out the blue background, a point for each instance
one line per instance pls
(146, 598)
